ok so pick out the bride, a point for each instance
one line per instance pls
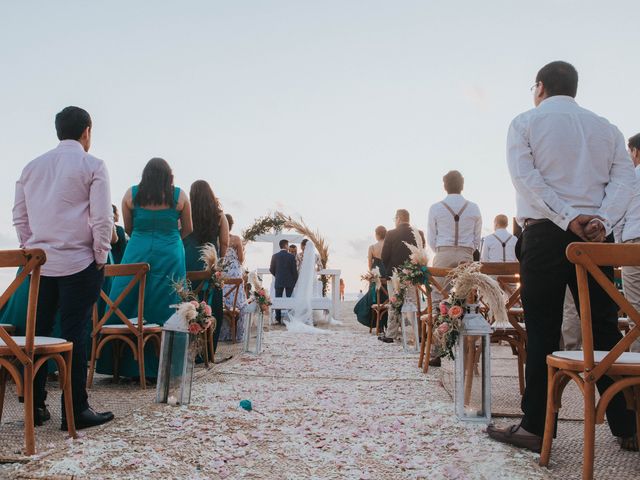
(301, 314)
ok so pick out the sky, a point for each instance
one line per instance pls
(338, 111)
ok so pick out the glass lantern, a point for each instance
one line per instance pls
(409, 323)
(252, 313)
(175, 371)
(473, 368)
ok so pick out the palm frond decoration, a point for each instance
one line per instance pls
(313, 235)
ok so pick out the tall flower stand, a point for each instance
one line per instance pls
(178, 350)
(473, 368)
(252, 313)
(409, 324)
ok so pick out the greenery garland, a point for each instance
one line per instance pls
(262, 225)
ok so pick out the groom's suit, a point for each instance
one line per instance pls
(285, 271)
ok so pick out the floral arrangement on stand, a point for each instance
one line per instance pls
(198, 316)
(373, 276)
(217, 267)
(191, 315)
(446, 327)
(468, 283)
(415, 271)
(259, 293)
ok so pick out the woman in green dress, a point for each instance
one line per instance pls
(118, 239)
(362, 309)
(209, 226)
(156, 216)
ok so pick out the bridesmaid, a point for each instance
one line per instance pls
(374, 256)
(118, 238)
(233, 269)
(209, 226)
(362, 309)
(156, 216)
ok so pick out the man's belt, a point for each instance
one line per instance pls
(534, 221)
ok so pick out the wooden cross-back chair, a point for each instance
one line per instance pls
(133, 333)
(507, 274)
(381, 307)
(587, 366)
(233, 313)
(439, 282)
(201, 285)
(22, 357)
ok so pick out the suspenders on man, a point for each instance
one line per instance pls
(456, 219)
(504, 246)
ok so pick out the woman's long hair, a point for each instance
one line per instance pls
(156, 186)
(205, 212)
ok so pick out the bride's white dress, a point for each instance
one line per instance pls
(307, 287)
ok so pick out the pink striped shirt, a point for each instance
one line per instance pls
(63, 205)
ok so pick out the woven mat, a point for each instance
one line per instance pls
(122, 399)
(505, 390)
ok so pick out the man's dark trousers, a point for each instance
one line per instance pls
(279, 291)
(73, 296)
(545, 272)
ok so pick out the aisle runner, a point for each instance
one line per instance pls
(325, 406)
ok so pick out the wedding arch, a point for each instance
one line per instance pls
(277, 222)
(271, 227)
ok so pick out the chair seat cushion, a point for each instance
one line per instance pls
(627, 358)
(123, 326)
(38, 341)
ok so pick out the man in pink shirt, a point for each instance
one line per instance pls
(63, 205)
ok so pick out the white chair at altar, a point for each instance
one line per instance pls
(330, 303)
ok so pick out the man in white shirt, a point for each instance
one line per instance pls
(63, 205)
(454, 229)
(500, 246)
(630, 233)
(455, 225)
(573, 181)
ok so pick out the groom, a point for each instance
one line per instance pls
(285, 271)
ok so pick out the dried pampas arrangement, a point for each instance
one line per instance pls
(468, 279)
(313, 235)
(209, 255)
(418, 253)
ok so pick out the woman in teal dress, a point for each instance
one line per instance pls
(156, 216)
(118, 238)
(209, 226)
(362, 309)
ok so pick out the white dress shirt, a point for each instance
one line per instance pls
(441, 228)
(565, 160)
(63, 205)
(492, 250)
(630, 224)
